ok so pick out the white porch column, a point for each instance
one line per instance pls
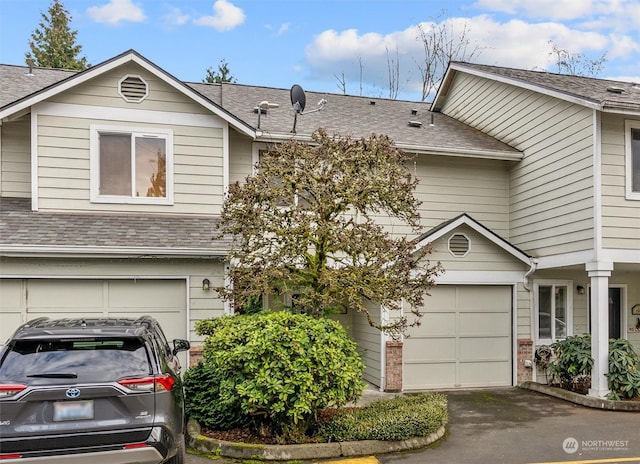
(599, 272)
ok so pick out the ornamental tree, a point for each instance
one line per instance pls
(53, 43)
(305, 222)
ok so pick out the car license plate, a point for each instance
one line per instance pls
(72, 410)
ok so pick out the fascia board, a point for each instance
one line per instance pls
(70, 251)
(518, 83)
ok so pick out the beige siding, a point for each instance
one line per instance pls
(15, 166)
(620, 217)
(199, 304)
(240, 157)
(369, 342)
(103, 91)
(64, 167)
(449, 187)
(551, 190)
(483, 255)
(524, 328)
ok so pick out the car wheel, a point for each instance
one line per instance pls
(180, 457)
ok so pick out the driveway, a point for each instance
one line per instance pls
(516, 426)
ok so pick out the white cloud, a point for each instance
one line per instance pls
(226, 16)
(116, 11)
(513, 43)
(283, 28)
(175, 17)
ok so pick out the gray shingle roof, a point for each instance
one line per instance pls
(23, 229)
(17, 82)
(597, 91)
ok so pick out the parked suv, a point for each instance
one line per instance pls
(91, 391)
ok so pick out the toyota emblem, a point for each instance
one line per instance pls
(73, 392)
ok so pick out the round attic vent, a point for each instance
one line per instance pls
(459, 245)
(133, 88)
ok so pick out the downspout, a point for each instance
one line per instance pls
(525, 282)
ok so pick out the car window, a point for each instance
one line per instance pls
(87, 360)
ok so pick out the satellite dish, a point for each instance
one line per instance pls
(298, 98)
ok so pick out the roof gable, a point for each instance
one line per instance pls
(131, 56)
(598, 94)
(449, 226)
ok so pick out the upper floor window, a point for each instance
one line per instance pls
(131, 165)
(553, 310)
(632, 160)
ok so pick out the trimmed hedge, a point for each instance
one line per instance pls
(390, 419)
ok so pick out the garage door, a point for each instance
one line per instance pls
(25, 299)
(464, 339)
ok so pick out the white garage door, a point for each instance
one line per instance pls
(464, 339)
(25, 299)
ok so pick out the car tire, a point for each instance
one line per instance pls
(180, 456)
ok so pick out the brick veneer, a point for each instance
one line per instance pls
(525, 352)
(393, 369)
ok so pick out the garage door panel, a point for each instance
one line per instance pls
(437, 375)
(161, 294)
(484, 374)
(435, 324)
(478, 298)
(471, 349)
(489, 324)
(49, 294)
(427, 350)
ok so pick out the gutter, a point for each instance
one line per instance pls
(102, 252)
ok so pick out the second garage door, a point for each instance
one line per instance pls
(464, 339)
(164, 299)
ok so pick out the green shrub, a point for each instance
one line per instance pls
(282, 368)
(572, 363)
(624, 375)
(204, 403)
(397, 418)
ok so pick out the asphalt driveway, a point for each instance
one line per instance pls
(516, 426)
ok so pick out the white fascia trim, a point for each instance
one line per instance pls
(34, 158)
(528, 86)
(465, 220)
(74, 251)
(480, 278)
(461, 152)
(567, 259)
(128, 115)
(621, 256)
(417, 149)
(108, 66)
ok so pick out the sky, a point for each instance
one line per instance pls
(336, 46)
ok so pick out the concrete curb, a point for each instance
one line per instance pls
(234, 450)
(577, 398)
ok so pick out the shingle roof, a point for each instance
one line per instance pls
(607, 93)
(17, 82)
(23, 229)
(354, 116)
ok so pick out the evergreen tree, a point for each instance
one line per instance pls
(223, 74)
(53, 43)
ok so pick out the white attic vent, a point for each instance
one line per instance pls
(459, 245)
(133, 88)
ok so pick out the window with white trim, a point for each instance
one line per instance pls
(131, 165)
(632, 160)
(553, 310)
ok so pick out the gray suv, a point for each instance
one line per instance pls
(91, 391)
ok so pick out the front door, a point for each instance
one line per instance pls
(615, 312)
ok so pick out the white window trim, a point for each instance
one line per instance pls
(94, 141)
(536, 309)
(629, 193)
